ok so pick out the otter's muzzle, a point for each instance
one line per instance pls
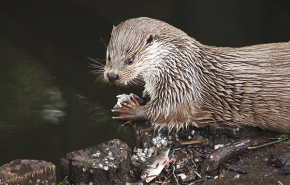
(112, 77)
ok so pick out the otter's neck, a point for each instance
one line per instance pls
(187, 85)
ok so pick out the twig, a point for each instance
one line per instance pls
(173, 172)
(167, 178)
(270, 143)
(197, 181)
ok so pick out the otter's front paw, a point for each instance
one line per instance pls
(129, 111)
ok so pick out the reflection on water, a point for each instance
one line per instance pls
(53, 109)
(42, 117)
(28, 96)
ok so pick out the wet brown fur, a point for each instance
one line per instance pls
(193, 84)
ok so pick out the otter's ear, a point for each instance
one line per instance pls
(150, 38)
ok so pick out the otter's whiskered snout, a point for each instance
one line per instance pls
(112, 77)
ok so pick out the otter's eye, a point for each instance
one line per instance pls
(150, 39)
(130, 61)
(109, 58)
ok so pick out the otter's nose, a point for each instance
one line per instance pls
(112, 77)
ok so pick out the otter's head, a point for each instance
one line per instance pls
(136, 48)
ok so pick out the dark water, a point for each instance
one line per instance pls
(44, 117)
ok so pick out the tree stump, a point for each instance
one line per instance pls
(25, 171)
(107, 163)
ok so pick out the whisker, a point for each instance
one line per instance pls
(104, 42)
(100, 78)
(136, 82)
(97, 62)
(98, 69)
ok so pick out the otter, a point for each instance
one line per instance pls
(191, 84)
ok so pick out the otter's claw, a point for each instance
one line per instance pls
(129, 111)
(124, 124)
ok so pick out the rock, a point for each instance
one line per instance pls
(106, 163)
(26, 171)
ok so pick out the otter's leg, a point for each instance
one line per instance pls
(130, 111)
